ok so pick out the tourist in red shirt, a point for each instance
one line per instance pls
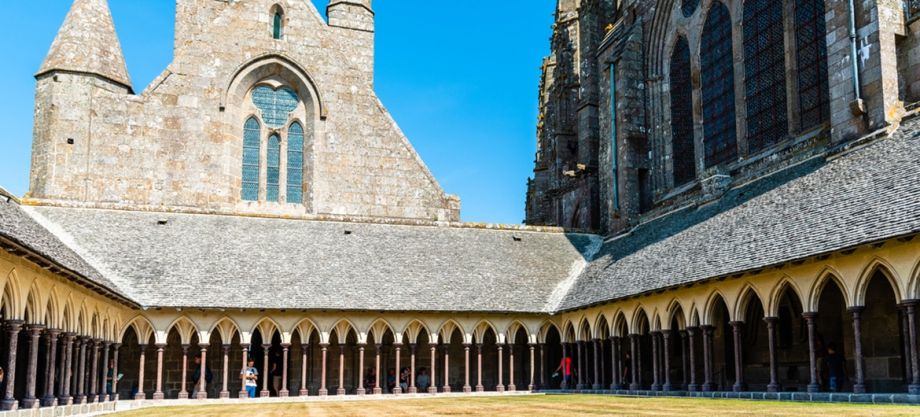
(565, 366)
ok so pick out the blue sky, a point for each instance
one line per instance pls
(459, 77)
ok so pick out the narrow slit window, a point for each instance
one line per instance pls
(295, 164)
(811, 60)
(251, 134)
(273, 168)
(278, 25)
(682, 153)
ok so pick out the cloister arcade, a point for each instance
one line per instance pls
(763, 331)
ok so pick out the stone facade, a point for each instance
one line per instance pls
(179, 143)
(607, 81)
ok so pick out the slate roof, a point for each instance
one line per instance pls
(867, 195)
(214, 261)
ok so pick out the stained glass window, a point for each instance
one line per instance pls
(689, 6)
(276, 105)
(811, 60)
(682, 114)
(251, 134)
(719, 135)
(295, 164)
(274, 168)
(764, 73)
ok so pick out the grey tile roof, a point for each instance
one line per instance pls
(214, 261)
(867, 195)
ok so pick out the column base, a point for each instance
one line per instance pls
(596, 387)
(323, 392)
(9, 405)
(30, 403)
(284, 393)
(340, 391)
(913, 389)
(65, 400)
(693, 387)
(707, 387)
(859, 388)
(579, 386)
(500, 388)
(183, 395)
(378, 391)
(397, 390)
(532, 388)
(137, 397)
(265, 394)
(49, 401)
(772, 387)
(667, 387)
(413, 390)
(812, 388)
(739, 387)
(432, 390)
(361, 391)
(303, 393)
(656, 387)
(634, 387)
(244, 394)
(224, 394)
(467, 389)
(201, 395)
(80, 399)
(513, 388)
(480, 388)
(158, 396)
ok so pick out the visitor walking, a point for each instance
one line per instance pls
(835, 364)
(250, 377)
(196, 377)
(423, 380)
(565, 367)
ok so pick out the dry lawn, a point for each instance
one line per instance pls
(532, 406)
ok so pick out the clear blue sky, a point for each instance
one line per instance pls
(459, 77)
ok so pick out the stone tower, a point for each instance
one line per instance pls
(85, 60)
(355, 20)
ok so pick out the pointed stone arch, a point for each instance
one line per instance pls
(184, 327)
(11, 297)
(883, 267)
(545, 328)
(827, 275)
(274, 63)
(447, 329)
(620, 325)
(913, 285)
(675, 312)
(35, 307)
(480, 330)
(694, 318)
(601, 327)
(584, 331)
(378, 330)
(640, 321)
(413, 329)
(267, 328)
(305, 329)
(226, 327)
(747, 294)
(342, 328)
(779, 289)
(712, 301)
(142, 327)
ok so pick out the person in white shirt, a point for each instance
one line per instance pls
(250, 376)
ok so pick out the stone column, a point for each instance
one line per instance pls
(579, 347)
(35, 333)
(859, 385)
(245, 353)
(115, 348)
(158, 394)
(511, 386)
(533, 363)
(105, 383)
(691, 355)
(81, 370)
(737, 327)
(433, 387)
(773, 386)
(361, 390)
(285, 347)
(905, 342)
(446, 348)
(140, 373)
(341, 388)
(666, 335)
(265, 393)
(812, 354)
(597, 365)
(683, 359)
(914, 387)
(225, 389)
(615, 363)
(94, 371)
(707, 358)
(398, 348)
(466, 367)
(542, 366)
(66, 367)
(656, 382)
(479, 387)
(565, 354)
(202, 369)
(412, 388)
(634, 349)
(501, 368)
(303, 369)
(377, 388)
(183, 390)
(323, 391)
(50, 359)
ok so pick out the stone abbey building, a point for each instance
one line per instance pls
(725, 191)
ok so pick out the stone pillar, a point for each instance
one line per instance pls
(737, 327)
(707, 358)
(286, 347)
(914, 386)
(533, 363)
(565, 355)
(202, 369)
(683, 359)
(542, 366)
(511, 386)
(66, 370)
(666, 353)
(691, 356)
(361, 390)
(115, 348)
(812, 354)
(183, 390)
(859, 385)
(501, 368)
(446, 386)
(265, 393)
(634, 353)
(398, 348)
(323, 391)
(104, 384)
(412, 388)
(94, 370)
(433, 387)
(140, 373)
(615, 370)
(245, 353)
(905, 342)
(656, 382)
(377, 388)
(479, 387)
(579, 348)
(303, 369)
(341, 388)
(50, 359)
(773, 386)
(597, 365)
(158, 394)
(225, 389)
(35, 333)
(80, 375)
(466, 367)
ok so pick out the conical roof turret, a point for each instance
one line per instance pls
(87, 43)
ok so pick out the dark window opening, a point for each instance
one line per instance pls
(719, 134)
(765, 73)
(682, 152)
(811, 60)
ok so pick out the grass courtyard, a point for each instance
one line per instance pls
(537, 405)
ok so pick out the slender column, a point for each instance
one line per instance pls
(638, 361)
(140, 373)
(615, 363)
(81, 370)
(479, 387)
(361, 390)
(158, 394)
(511, 386)
(812, 354)
(634, 349)
(466, 367)
(35, 333)
(245, 353)
(905, 342)
(341, 388)
(412, 388)
(432, 385)
(914, 387)
(115, 348)
(202, 370)
(737, 328)
(66, 367)
(501, 369)
(579, 347)
(94, 371)
(565, 355)
(446, 349)
(377, 389)
(656, 381)
(666, 336)
(683, 359)
(597, 365)
(285, 348)
(50, 359)
(183, 390)
(398, 348)
(265, 393)
(224, 389)
(542, 365)
(859, 385)
(533, 363)
(104, 383)
(691, 355)
(773, 386)
(323, 391)
(707, 358)
(303, 369)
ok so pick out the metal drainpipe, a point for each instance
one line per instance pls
(613, 133)
(853, 54)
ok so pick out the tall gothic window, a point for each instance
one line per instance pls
(251, 140)
(682, 153)
(295, 164)
(811, 60)
(278, 24)
(719, 134)
(765, 73)
(274, 168)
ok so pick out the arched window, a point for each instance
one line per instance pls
(811, 61)
(295, 164)
(274, 168)
(278, 24)
(719, 135)
(765, 73)
(682, 114)
(251, 140)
